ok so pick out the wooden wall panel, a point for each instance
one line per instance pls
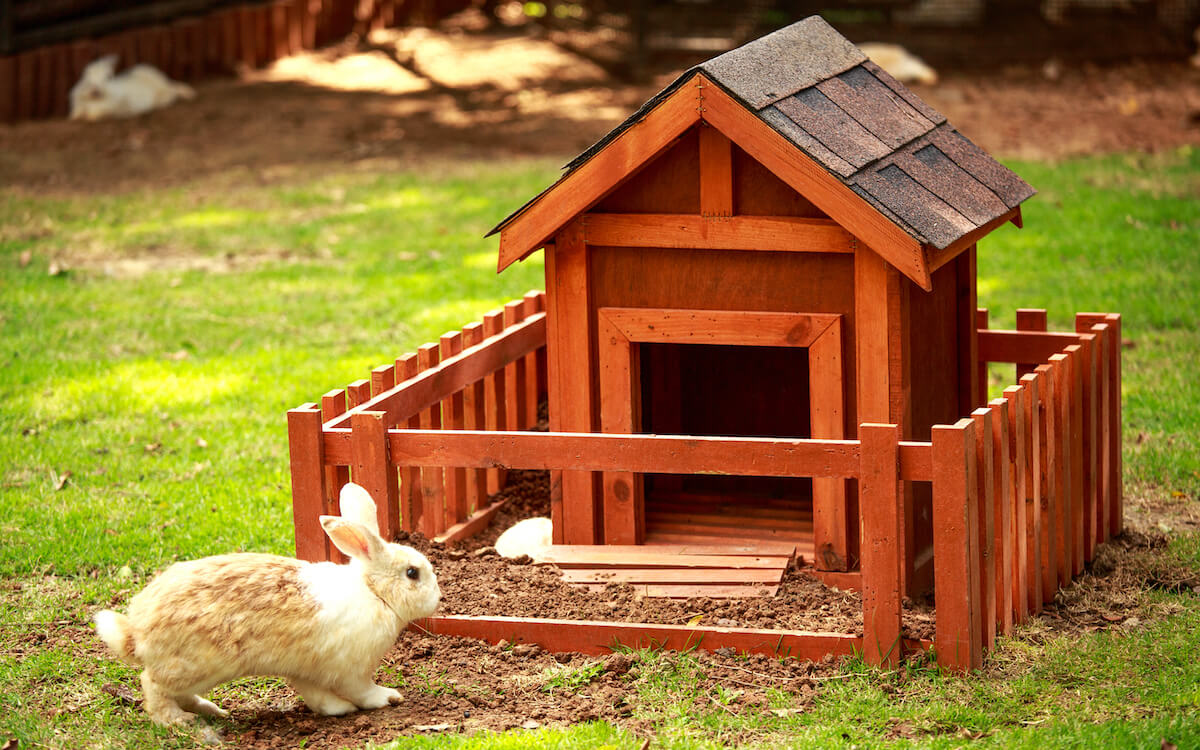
(668, 184)
(758, 192)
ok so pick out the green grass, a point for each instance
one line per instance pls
(157, 368)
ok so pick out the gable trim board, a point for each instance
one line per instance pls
(823, 117)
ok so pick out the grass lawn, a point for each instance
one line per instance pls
(150, 344)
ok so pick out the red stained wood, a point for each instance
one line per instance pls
(691, 591)
(579, 189)
(515, 394)
(383, 378)
(1074, 406)
(495, 388)
(646, 454)
(1034, 454)
(1113, 365)
(958, 639)
(674, 575)
(412, 503)
(1016, 396)
(475, 418)
(453, 418)
(1049, 460)
(620, 410)
(645, 556)
(1103, 443)
(358, 393)
(831, 513)
(576, 378)
(554, 393)
(970, 395)
(716, 174)
(532, 304)
(986, 499)
(597, 638)
(1063, 478)
(916, 461)
(881, 558)
(1029, 319)
(433, 482)
(372, 469)
(808, 178)
(1024, 348)
(434, 384)
(981, 375)
(686, 231)
(307, 460)
(333, 404)
(1002, 469)
(728, 327)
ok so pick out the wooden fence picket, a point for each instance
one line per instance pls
(986, 499)
(454, 418)
(1016, 396)
(475, 414)
(495, 390)
(333, 404)
(433, 485)
(958, 638)
(1002, 515)
(412, 503)
(881, 514)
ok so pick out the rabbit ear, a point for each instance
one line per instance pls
(102, 68)
(353, 538)
(357, 505)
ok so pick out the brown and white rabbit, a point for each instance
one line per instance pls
(321, 626)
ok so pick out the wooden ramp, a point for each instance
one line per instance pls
(678, 571)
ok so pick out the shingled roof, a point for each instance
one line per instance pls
(820, 92)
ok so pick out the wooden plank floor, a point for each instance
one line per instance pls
(678, 571)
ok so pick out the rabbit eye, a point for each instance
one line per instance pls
(413, 573)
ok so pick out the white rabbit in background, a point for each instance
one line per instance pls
(529, 537)
(899, 63)
(100, 93)
(321, 626)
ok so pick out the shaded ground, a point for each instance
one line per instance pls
(412, 95)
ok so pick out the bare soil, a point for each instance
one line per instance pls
(407, 97)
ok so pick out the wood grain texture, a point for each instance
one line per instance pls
(576, 379)
(1029, 319)
(716, 174)
(1063, 478)
(986, 542)
(1113, 365)
(761, 233)
(1016, 396)
(958, 638)
(1033, 487)
(583, 186)
(433, 481)
(307, 461)
(620, 412)
(827, 403)
(646, 454)
(495, 393)
(411, 495)
(1028, 348)
(454, 418)
(475, 418)
(599, 638)
(881, 515)
(728, 327)
(1004, 554)
(372, 469)
(333, 403)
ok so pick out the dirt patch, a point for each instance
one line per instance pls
(419, 96)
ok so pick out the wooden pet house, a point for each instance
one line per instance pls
(781, 243)
(759, 339)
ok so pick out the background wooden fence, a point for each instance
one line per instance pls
(1024, 487)
(39, 66)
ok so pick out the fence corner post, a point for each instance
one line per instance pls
(881, 517)
(306, 453)
(958, 639)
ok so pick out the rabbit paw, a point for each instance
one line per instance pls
(378, 696)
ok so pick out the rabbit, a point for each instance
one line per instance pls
(323, 627)
(100, 93)
(900, 64)
(528, 537)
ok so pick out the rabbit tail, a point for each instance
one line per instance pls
(113, 628)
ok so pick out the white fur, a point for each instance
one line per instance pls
(100, 93)
(901, 64)
(323, 627)
(529, 537)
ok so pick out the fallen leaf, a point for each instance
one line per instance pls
(1113, 618)
(786, 711)
(431, 727)
(120, 692)
(60, 480)
(693, 622)
(531, 724)
(1177, 493)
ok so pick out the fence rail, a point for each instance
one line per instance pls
(1023, 488)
